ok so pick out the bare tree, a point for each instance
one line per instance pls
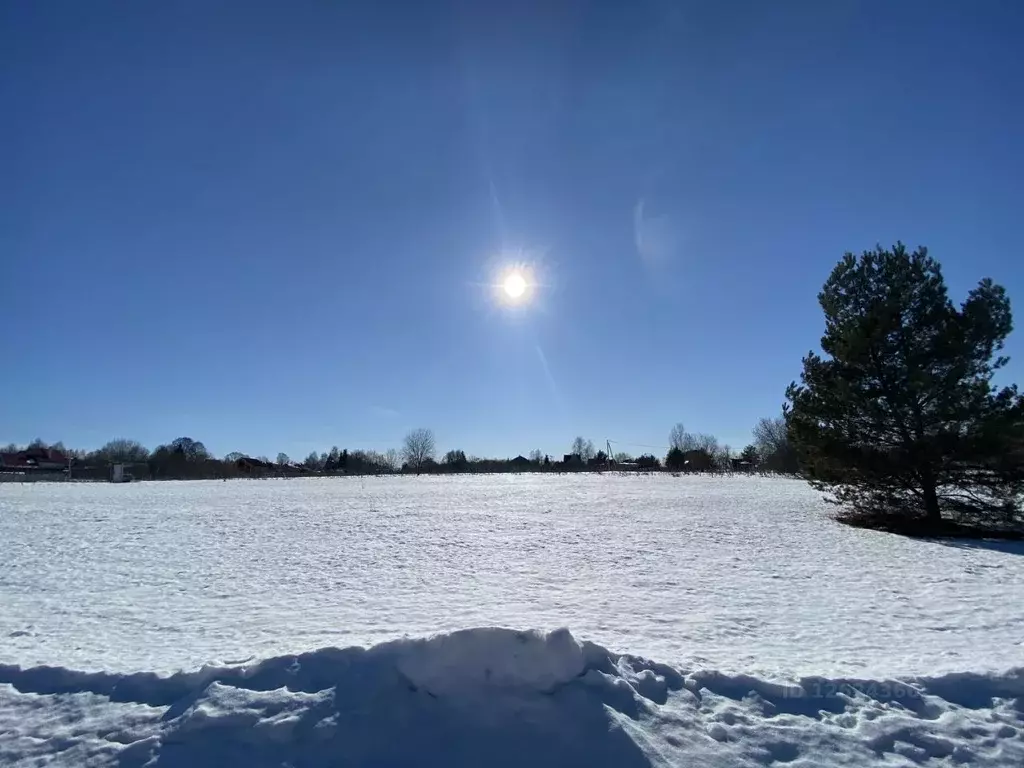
(724, 457)
(123, 451)
(583, 448)
(706, 443)
(391, 460)
(282, 459)
(677, 437)
(681, 440)
(579, 445)
(770, 435)
(372, 461)
(536, 456)
(419, 448)
(234, 456)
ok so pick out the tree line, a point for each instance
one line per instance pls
(186, 458)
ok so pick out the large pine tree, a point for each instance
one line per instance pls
(899, 417)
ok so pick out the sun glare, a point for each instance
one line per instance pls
(514, 285)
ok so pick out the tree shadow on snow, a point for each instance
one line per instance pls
(946, 532)
(359, 710)
(1008, 546)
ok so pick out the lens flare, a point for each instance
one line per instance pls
(514, 285)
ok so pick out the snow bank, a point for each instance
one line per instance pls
(492, 657)
(499, 697)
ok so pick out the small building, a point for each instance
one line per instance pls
(34, 459)
(11, 461)
(255, 467)
(520, 463)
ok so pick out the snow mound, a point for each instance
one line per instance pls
(500, 697)
(492, 657)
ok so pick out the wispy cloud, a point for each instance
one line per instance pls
(638, 226)
(657, 236)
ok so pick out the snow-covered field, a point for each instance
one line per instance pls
(778, 635)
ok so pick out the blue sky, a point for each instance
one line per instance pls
(276, 226)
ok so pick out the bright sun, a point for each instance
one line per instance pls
(514, 285)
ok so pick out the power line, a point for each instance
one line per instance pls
(640, 445)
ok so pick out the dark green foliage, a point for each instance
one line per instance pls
(648, 461)
(189, 449)
(899, 417)
(693, 460)
(333, 462)
(675, 460)
(455, 461)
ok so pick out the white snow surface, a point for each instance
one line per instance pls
(743, 574)
(780, 636)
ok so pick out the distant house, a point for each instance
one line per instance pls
(251, 466)
(741, 465)
(10, 461)
(41, 459)
(520, 463)
(572, 460)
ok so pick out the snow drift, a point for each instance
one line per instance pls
(499, 697)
